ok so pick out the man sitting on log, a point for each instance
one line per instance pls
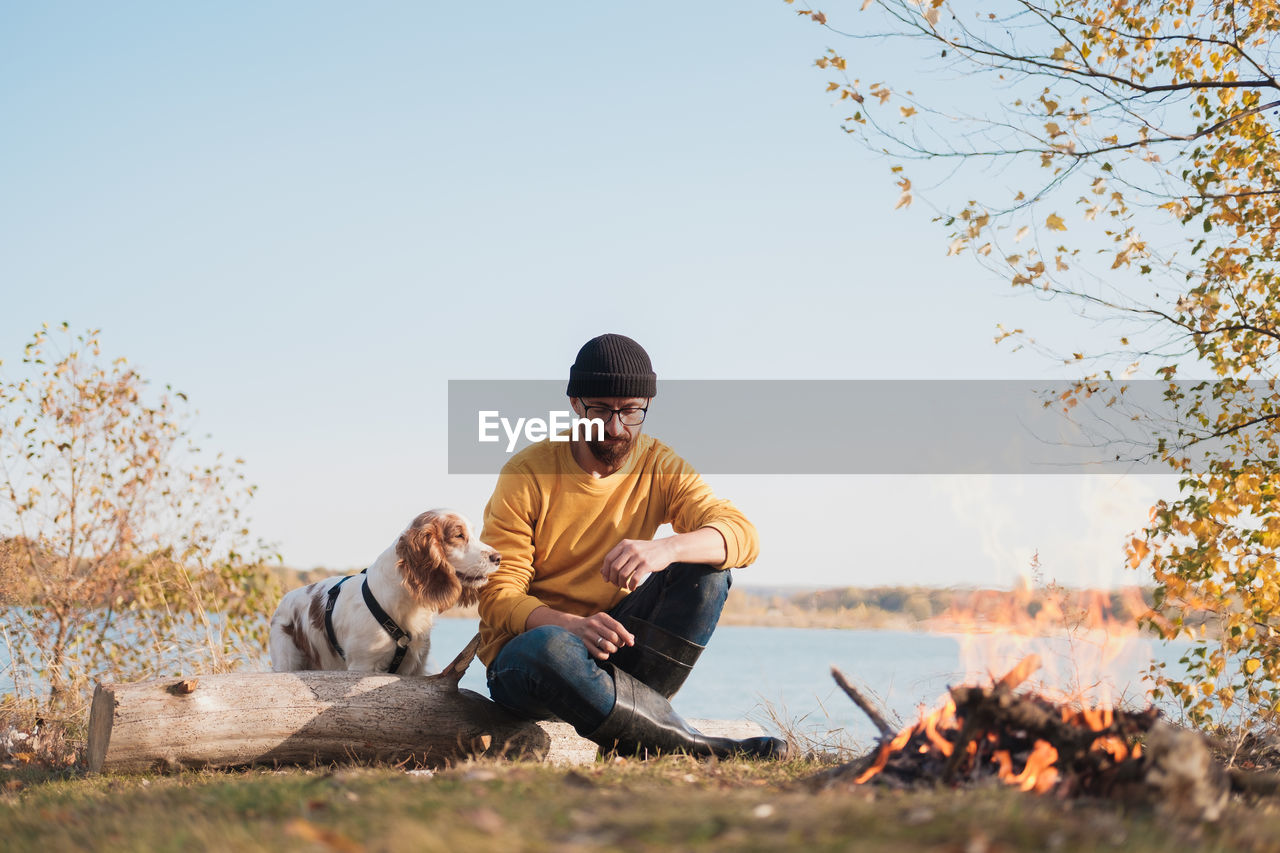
(569, 628)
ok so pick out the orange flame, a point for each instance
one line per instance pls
(1004, 764)
(882, 757)
(947, 715)
(1114, 746)
(1039, 774)
(1100, 719)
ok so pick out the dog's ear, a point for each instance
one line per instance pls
(424, 570)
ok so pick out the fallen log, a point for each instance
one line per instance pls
(297, 718)
(268, 718)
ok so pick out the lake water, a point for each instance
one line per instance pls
(753, 673)
(746, 671)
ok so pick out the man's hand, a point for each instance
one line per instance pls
(633, 560)
(601, 633)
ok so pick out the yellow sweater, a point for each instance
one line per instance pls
(553, 523)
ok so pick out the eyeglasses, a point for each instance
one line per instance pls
(630, 416)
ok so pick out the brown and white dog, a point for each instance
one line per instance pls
(436, 563)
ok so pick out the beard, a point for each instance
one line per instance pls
(610, 452)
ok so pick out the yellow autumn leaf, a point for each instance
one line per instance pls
(1055, 223)
(1021, 235)
(1251, 665)
(1138, 550)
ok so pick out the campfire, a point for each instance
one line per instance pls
(1025, 739)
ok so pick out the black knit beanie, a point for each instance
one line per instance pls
(612, 366)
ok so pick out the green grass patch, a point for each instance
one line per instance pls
(672, 803)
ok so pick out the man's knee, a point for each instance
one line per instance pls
(700, 579)
(546, 648)
(547, 672)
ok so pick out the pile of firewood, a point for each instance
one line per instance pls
(1027, 740)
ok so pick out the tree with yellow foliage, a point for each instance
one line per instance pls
(123, 550)
(1128, 159)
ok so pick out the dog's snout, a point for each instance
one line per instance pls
(495, 558)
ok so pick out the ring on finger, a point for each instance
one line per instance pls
(599, 640)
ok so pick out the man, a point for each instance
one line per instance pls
(569, 626)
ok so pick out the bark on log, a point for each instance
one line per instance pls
(320, 717)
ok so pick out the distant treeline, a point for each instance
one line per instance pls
(292, 578)
(892, 606)
(918, 603)
(927, 602)
(913, 606)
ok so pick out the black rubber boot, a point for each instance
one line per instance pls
(643, 723)
(659, 658)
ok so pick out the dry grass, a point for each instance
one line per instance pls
(672, 803)
(48, 803)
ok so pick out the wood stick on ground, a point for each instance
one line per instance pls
(862, 702)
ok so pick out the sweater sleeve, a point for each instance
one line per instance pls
(509, 517)
(692, 505)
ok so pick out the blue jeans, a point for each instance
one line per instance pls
(548, 672)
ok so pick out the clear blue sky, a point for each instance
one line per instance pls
(310, 216)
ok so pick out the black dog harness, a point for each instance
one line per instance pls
(398, 635)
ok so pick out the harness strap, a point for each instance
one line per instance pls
(328, 616)
(398, 634)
